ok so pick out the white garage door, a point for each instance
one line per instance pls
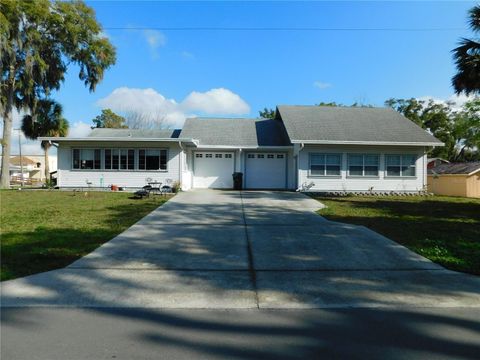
(266, 171)
(213, 170)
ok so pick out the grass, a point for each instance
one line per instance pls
(46, 230)
(443, 229)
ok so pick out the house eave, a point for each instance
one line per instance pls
(348, 142)
(114, 139)
(244, 147)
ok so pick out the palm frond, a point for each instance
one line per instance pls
(467, 60)
(474, 21)
(47, 120)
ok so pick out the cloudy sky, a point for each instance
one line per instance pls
(181, 59)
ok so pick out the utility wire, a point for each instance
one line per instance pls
(281, 29)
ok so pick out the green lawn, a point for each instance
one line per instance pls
(443, 229)
(45, 230)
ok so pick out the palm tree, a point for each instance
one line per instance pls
(47, 121)
(467, 59)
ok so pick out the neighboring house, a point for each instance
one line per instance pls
(432, 162)
(455, 179)
(33, 167)
(310, 148)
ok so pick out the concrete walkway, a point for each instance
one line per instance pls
(233, 250)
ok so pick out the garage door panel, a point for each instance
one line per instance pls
(266, 171)
(213, 170)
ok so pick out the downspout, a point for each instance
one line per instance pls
(242, 167)
(425, 176)
(180, 168)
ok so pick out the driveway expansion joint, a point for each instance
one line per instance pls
(251, 266)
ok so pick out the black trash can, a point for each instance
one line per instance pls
(237, 180)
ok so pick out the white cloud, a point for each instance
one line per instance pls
(148, 103)
(321, 85)
(216, 101)
(187, 55)
(29, 147)
(155, 39)
(156, 108)
(79, 129)
(456, 101)
(32, 147)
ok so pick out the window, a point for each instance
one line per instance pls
(251, 156)
(131, 159)
(363, 164)
(280, 156)
(86, 158)
(228, 156)
(218, 156)
(76, 158)
(198, 155)
(208, 155)
(115, 162)
(119, 159)
(325, 164)
(123, 159)
(108, 159)
(400, 165)
(152, 159)
(260, 156)
(270, 156)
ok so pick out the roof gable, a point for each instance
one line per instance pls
(363, 125)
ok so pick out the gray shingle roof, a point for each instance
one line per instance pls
(235, 132)
(456, 168)
(134, 133)
(351, 124)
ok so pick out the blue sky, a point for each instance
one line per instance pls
(258, 68)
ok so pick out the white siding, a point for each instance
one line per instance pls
(68, 177)
(345, 183)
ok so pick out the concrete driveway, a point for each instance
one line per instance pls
(230, 249)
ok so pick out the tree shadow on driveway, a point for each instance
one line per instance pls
(123, 291)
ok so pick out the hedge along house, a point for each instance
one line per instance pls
(309, 148)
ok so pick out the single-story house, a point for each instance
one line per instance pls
(33, 167)
(455, 179)
(310, 148)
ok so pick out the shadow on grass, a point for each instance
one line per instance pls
(49, 247)
(169, 242)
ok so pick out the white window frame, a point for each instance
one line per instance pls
(160, 156)
(339, 164)
(119, 158)
(80, 159)
(363, 155)
(414, 166)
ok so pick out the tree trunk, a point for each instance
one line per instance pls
(7, 135)
(460, 154)
(7, 131)
(47, 165)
